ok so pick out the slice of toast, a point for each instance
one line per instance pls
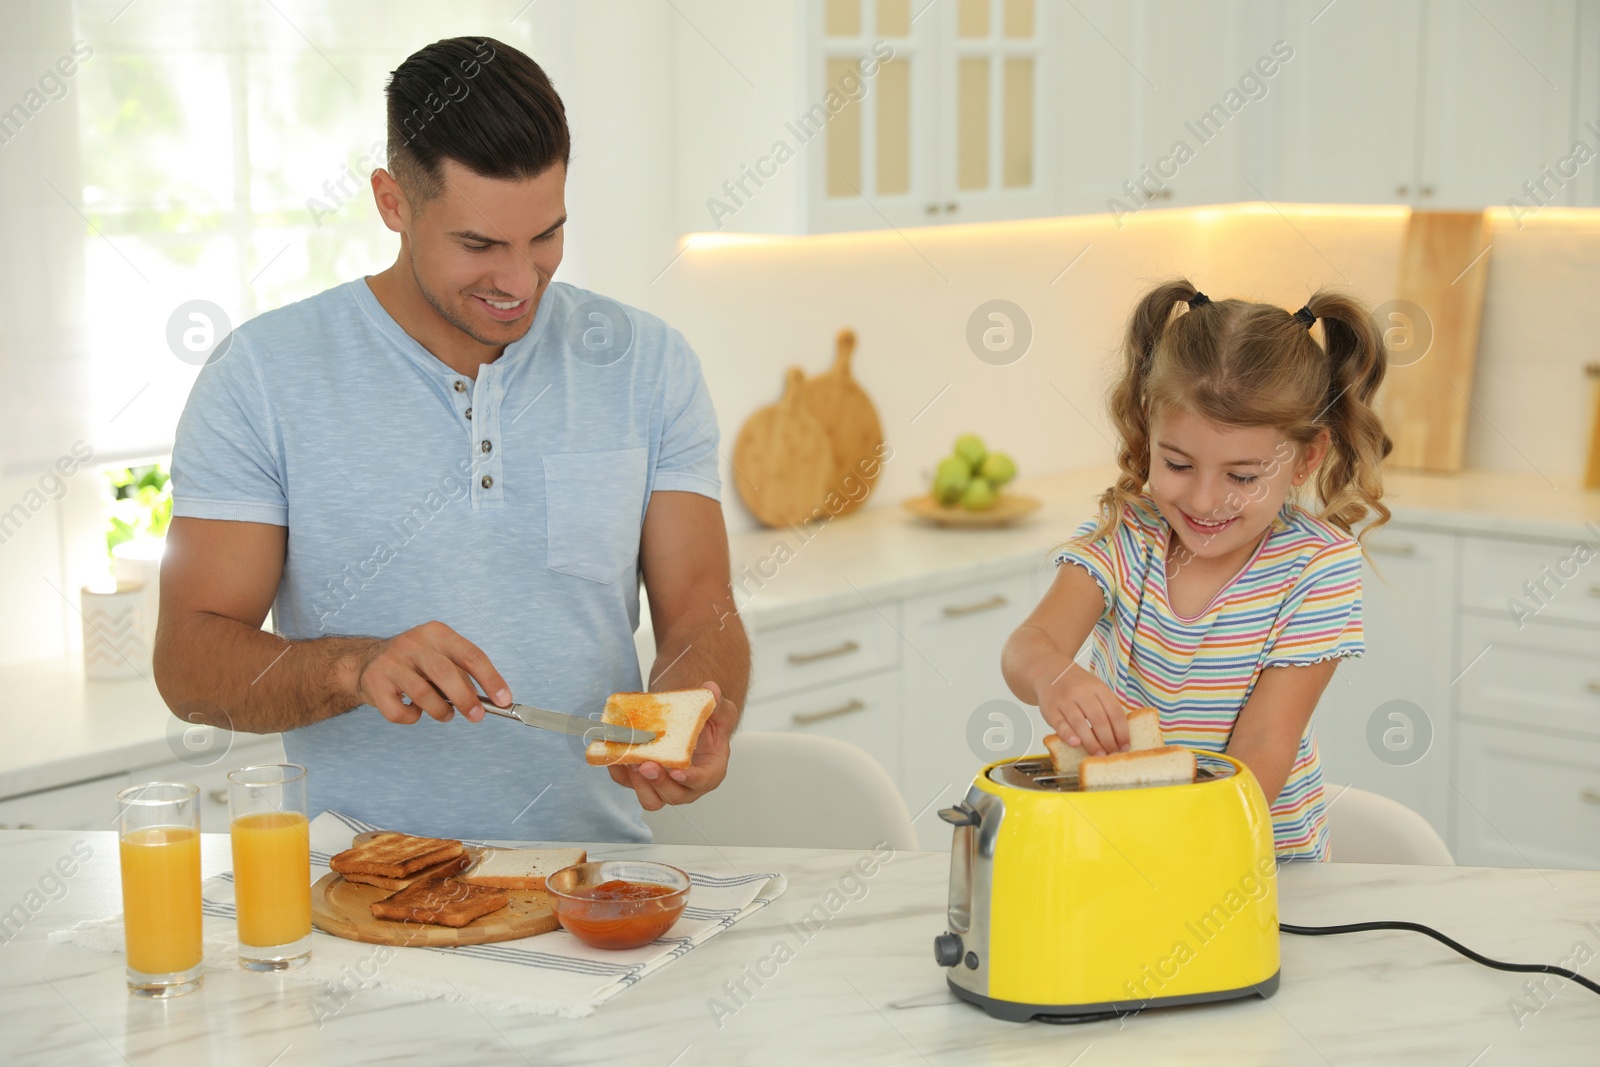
(442, 902)
(450, 866)
(394, 855)
(520, 868)
(1167, 765)
(676, 717)
(1144, 732)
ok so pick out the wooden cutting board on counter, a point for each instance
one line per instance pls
(1444, 266)
(344, 909)
(783, 459)
(850, 419)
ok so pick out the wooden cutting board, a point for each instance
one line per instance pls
(343, 909)
(783, 460)
(837, 401)
(1424, 404)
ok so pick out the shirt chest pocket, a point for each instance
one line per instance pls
(594, 507)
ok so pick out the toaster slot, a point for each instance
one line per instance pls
(961, 855)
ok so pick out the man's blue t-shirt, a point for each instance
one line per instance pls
(508, 508)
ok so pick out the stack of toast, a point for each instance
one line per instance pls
(1148, 761)
(435, 880)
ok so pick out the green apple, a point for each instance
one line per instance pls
(980, 495)
(970, 448)
(998, 468)
(951, 480)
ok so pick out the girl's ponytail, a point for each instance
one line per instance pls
(1128, 411)
(1350, 481)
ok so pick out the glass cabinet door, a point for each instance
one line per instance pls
(871, 109)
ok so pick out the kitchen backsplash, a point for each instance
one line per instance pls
(752, 306)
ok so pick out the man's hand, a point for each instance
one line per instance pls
(438, 669)
(657, 787)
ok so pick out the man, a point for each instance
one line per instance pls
(471, 463)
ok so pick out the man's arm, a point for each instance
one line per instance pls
(214, 664)
(700, 640)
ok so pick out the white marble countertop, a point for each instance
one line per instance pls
(864, 989)
(60, 728)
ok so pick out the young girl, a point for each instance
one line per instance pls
(1214, 595)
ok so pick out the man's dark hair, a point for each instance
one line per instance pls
(479, 102)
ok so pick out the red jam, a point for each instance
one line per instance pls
(618, 889)
(620, 914)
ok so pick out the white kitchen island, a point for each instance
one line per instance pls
(863, 990)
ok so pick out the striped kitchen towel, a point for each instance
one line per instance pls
(549, 974)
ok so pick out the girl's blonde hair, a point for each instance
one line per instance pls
(1238, 363)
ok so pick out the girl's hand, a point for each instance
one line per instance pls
(1083, 711)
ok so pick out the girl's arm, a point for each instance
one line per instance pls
(1037, 665)
(1266, 736)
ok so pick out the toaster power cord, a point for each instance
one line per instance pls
(1418, 928)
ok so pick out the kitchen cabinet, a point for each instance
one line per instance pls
(90, 805)
(863, 711)
(866, 114)
(1384, 723)
(1428, 103)
(1527, 799)
(1349, 104)
(952, 669)
(951, 126)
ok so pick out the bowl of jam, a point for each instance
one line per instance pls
(618, 903)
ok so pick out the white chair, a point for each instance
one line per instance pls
(1367, 828)
(793, 791)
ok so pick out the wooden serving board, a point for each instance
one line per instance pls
(782, 459)
(1007, 509)
(1443, 271)
(343, 909)
(850, 419)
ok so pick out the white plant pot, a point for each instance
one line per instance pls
(114, 644)
(138, 563)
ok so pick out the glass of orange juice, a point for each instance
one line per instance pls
(159, 831)
(271, 865)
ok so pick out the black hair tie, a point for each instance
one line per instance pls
(1305, 316)
(1198, 300)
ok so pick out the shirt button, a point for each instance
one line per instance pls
(487, 447)
(487, 482)
(469, 413)
(461, 386)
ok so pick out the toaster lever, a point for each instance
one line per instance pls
(960, 815)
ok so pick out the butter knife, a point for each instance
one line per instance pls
(588, 729)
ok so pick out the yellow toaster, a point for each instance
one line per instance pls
(1069, 905)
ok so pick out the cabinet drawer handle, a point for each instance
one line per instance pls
(800, 659)
(806, 718)
(1383, 548)
(954, 611)
(1590, 796)
(218, 796)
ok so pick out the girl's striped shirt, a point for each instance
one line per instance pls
(1297, 601)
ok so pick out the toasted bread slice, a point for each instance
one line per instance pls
(676, 717)
(1144, 732)
(1166, 765)
(520, 868)
(453, 865)
(440, 901)
(393, 855)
